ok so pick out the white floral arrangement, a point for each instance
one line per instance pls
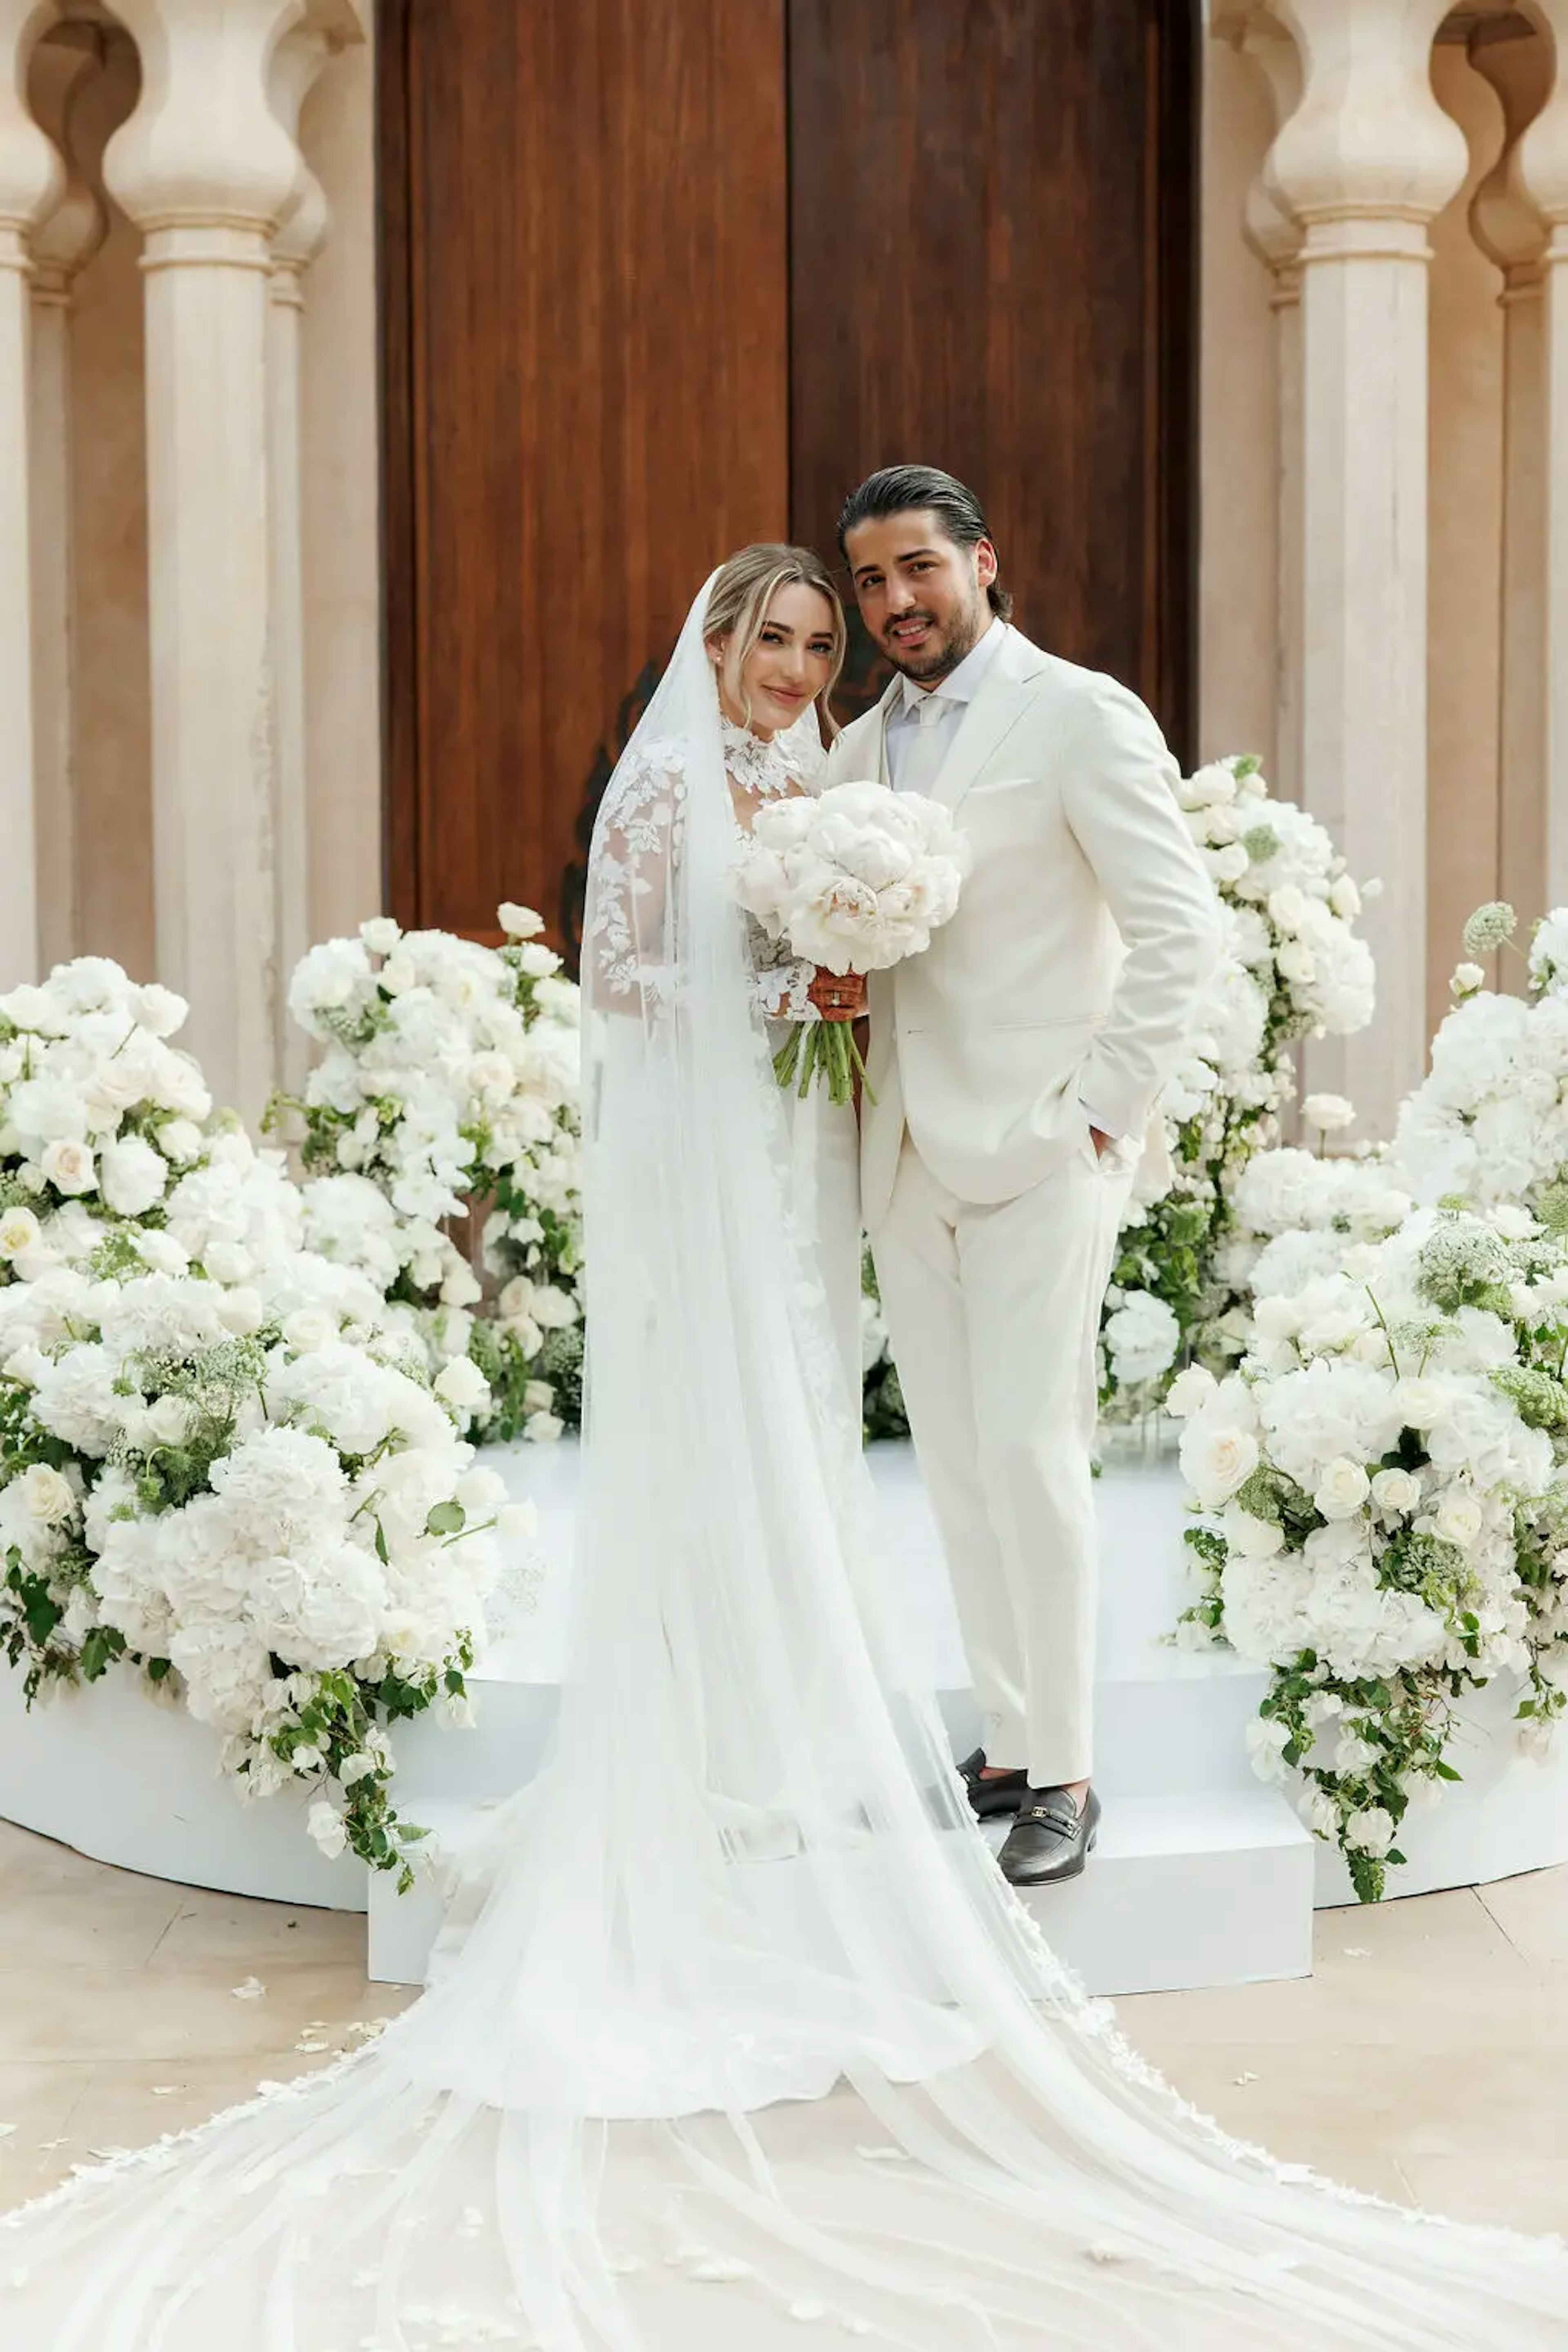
(1489, 1122)
(249, 1490)
(1293, 966)
(1382, 1476)
(100, 1114)
(450, 1080)
(855, 879)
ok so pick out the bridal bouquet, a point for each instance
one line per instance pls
(855, 879)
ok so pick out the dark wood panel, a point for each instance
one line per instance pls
(585, 352)
(992, 232)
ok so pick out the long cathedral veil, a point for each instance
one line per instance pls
(735, 2026)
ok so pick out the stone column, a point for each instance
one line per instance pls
(1508, 228)
(1276, 236)
(297, 60)
(31, 181)
(1539, 178)
(1364, 161)
(61, 245)
(206, 171)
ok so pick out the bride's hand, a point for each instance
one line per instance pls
(838, 996)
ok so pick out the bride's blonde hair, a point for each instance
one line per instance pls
(742, 590)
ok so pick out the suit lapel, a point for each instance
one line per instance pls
(1004, 695)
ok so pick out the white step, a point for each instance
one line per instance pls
(1189, 1890)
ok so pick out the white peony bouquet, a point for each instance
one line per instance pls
(1293, 966)
(450, 1081)
(1388, 1520)
(249, 1488)
(855, 879)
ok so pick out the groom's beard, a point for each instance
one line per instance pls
(940, 657)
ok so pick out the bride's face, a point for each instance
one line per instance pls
(788, 667)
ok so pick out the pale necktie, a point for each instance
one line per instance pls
(921, 755)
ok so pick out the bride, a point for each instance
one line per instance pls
(734, 2028)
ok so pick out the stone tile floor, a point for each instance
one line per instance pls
(1427, 2058)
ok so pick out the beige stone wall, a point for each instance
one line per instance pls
(342, 506)
(113, 717)
(1239, 443)
(1466, 543)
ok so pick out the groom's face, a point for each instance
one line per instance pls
(921, 595)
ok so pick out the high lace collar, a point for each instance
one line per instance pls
(757, 767)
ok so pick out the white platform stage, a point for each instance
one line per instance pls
(1202, 1876)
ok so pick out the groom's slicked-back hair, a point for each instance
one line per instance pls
(904, 489)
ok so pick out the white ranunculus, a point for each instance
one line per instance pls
(131, 1176)
(1342, 1487)
(70, 1167)
(519, 922)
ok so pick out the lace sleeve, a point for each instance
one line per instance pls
(780, 990)
(627, 952)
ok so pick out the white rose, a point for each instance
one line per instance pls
(181, 1141)
(1398, 1492)
(241, 1311)
(309, 1327)
(1215, 1461)
(553, 1310)
(1342, 1487)
(18, 1231)
(1288, 907)
(1251, 1538)
(68, 1166)
(380, 934)
(325, 1825)
(1459, 1518)
(480, 1491)
(1227, 864)
(1328, 1113)
(543, 1428)
(1422, 1403)
(1297, 963)
(516, 1298)
(519, 922)
(462, 1385)
(538, 1396)
(1467, 978)
(131, 1176)
(45, 1496)
(1189, 1391)
(399, 973)
(159, 1009)
(1344, 899)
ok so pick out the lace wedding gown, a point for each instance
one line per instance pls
(735, 2029)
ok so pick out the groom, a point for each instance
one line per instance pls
(1015, 1066)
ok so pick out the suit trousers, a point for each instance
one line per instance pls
(993, 1313)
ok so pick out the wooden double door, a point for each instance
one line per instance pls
(661, 277)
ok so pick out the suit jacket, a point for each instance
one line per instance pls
(1084, 937)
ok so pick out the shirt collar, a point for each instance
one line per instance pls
(962, 683)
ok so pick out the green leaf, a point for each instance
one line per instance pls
(445, 1519)
(381, 1551)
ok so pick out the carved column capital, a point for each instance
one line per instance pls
(32, 177)
(1368, 156)
(1506, 221)
(66, 239)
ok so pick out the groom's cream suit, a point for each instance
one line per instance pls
(1063, 988)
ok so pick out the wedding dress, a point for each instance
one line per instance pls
(735, 2029)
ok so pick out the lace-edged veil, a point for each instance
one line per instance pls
(736, 2005)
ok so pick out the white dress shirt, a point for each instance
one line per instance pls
(952, 695)
(920, 737)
